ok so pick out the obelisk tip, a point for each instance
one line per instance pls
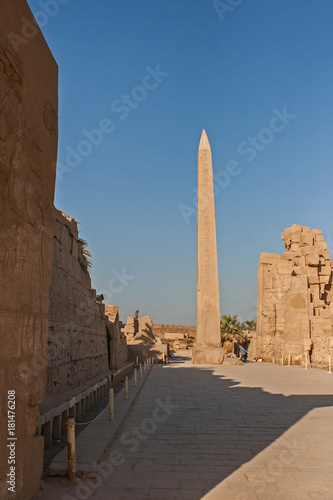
(204, 142)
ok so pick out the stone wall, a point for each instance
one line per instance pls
(78, 336)
(295, 295)
(28, 154)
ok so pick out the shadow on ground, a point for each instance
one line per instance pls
(216, 427)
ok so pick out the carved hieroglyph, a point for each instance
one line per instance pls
(208, 341)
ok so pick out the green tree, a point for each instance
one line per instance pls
(231, 328)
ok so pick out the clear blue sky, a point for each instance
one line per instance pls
(227, 72)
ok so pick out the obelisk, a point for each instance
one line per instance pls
(207, 348)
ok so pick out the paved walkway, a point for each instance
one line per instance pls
(258, 431)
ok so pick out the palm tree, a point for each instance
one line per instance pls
(249, 325)
(231, 331)
(87, 253)
(231, 328)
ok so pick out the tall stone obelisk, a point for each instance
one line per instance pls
(207, 348)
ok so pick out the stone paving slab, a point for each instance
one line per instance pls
(258, 431)
(91, 443)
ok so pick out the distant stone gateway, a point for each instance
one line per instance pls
(208, 348)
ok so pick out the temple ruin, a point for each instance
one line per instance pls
(295, 293)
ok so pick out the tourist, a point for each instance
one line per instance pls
(243, 352)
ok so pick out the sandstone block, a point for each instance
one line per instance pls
(322, 245)
(300, 261)
(325, 270)
(307, 239)
(300, 270)
(266, 258)
(324, 279)
(289, 255)
(312, 271)
(326, 254)
(284, 267)
(325, 313)
(312, 260)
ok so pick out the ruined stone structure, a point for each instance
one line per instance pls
(28, 153)
(142, 341)
(208, 340)
(138, 327)
(295, 297)
(178, 336)
(131, 327)
(84, 338)
(174, 332)
(117, 347)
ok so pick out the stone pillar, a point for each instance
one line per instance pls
(208, 348)
(28, 155)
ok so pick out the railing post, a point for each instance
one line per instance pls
(126, 388)
(141, 370)
(71, 448)
(135, 377)
(111, 405)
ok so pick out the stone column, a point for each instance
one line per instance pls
(208, 348)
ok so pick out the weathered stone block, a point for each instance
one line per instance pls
(324, 279)
(307, 239)
(325, 270)
(312, 260)
(322, 245)
(289, 255)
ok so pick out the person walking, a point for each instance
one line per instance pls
(243, 352)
